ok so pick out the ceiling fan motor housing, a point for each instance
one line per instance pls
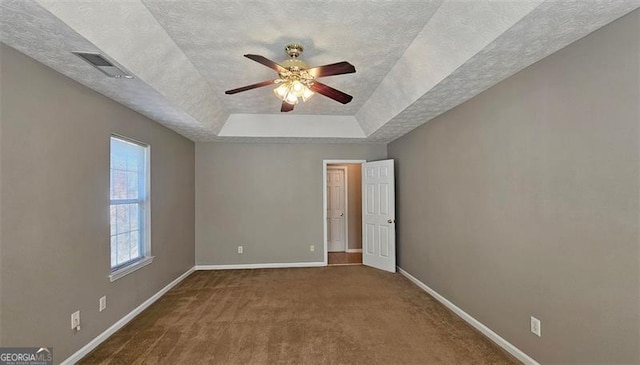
(294, 50)
(294, 64)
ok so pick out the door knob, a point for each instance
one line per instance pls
(342, 214)
(391, 220)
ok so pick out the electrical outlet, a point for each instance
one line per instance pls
(240, 249)
(75, 321)
(535, 326)
(312, 248)
(103, 303)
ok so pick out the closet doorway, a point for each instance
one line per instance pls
(343, 212)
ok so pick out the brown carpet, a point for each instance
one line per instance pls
(330, 315)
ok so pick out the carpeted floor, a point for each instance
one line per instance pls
(329, 315)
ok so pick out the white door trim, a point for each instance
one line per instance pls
(345, 187)
(324, 199)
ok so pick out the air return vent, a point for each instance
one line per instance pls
(103, 64)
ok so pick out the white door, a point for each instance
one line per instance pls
(378, 215)
(336, 227)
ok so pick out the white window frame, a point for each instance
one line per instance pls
(146, 258)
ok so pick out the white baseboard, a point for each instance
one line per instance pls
(507, 346)
(260, 266)
(354, 250)
(78, 355)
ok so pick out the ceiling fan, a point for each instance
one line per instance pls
(297, 81)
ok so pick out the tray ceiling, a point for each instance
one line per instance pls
(414, 59)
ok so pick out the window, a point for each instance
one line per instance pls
(130, 244)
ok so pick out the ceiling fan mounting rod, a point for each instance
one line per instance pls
(294, 50)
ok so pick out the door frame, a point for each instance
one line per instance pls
(345, 187)
(324, 203)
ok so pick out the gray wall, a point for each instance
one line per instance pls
(55, 207)
(265, 197)
(524, 201)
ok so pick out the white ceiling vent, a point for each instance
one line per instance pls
(103, 64)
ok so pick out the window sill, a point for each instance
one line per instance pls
(115, 275)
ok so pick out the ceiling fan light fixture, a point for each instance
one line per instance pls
(306, 94)
(297, 88)
(281, 91)
(291, 91)
(291, 98)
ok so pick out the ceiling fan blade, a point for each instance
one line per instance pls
(249, 87)
(286, 107)
(330, 92)
(332, 69)
(265, 61)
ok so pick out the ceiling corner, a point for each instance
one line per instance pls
(128, 33)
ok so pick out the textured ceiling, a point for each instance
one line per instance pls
(215, 35)
(414, 59)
